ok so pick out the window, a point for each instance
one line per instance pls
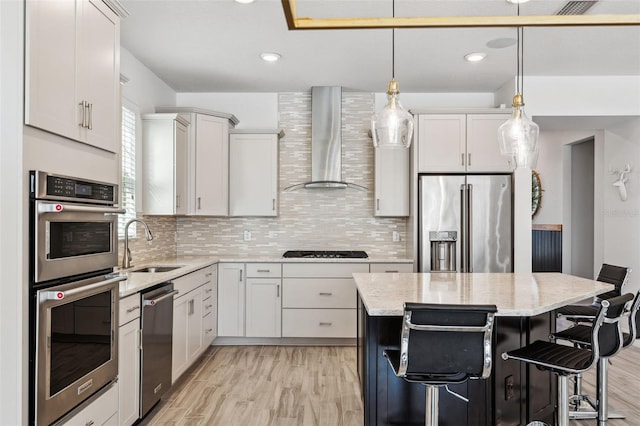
(128, 183)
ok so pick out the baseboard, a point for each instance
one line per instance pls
(283, 341)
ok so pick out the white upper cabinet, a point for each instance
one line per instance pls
(72, 71)
(208, 159)
(460, 143)
(253, 173)
(164, 164)
(391, 182)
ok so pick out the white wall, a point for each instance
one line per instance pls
(13, 267)
(143, 89)
(622, 218)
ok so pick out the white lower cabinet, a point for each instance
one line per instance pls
(320, 299)
(129, 361)
(231, 302)
(189, 339)
(391, 267)
(264, 307)
(102, 411)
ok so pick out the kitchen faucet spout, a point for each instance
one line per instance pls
(126, 258)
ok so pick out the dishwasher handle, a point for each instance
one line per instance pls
(152, 302)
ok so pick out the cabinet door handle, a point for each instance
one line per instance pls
(462, 159)
(208, 306)
(199, 204)
(273, 204)
(132, 309)
(240, 274)
(377, 203)
(90, 125)
(325, 294)
(177, 201)
(89, 423)
(278, 290)
(208, 330)
(264, 270)
(325, 324)
(209, 274)
(191, 307)
(84, 114)
(390, 271)
(468, 159)
(209, 290)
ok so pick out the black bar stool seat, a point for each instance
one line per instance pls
(605, 340)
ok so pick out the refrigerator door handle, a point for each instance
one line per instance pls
(464, 220)
(469, 238)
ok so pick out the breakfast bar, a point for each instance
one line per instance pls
(514, 393)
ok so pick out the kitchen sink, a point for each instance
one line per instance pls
(154, 269)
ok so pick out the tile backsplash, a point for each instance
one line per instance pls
(163, 245)
(308, 219)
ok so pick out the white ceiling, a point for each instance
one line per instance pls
(214, 46)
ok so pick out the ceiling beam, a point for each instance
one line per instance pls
(307, 23)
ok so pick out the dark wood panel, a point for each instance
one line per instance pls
(546, 251)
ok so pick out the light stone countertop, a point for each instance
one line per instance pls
(514, 294)
(139, 281)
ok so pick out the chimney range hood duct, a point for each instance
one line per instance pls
(326, 143)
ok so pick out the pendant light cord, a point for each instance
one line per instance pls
(393, 42)
(520, 57)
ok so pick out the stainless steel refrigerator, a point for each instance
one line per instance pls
(465, 223)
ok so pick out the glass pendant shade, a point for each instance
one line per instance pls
(518, 137)
(393, 126)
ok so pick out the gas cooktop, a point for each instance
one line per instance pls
(357, 254)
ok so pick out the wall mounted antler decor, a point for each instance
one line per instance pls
(621, 183)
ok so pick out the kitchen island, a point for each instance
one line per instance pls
(514, 394)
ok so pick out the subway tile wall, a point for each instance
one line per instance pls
(308, 219)
(163, 245)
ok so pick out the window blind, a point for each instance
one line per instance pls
(128, 183)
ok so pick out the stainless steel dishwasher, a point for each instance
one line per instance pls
(155, 357)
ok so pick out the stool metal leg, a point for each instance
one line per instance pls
(601, 384)
(563, 400)
(431, 406)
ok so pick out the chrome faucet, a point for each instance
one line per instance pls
(126, 258)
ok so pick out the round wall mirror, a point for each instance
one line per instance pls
(536, 192)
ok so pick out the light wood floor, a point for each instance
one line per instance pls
(286, 385)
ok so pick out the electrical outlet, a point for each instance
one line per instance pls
(508, 388)
(247, 235)
(395, 236)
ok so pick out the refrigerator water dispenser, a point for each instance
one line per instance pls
(443, 251)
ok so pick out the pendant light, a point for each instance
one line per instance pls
(518, 136)
(393, 126)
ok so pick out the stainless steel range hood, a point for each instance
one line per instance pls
(326, 141)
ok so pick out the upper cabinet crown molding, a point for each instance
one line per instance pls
(461, 111)
(117, 7)
(278, 132)
(233, 120)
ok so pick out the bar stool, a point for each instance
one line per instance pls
(441, 345)
(579, 335)
(605, 340)
(612, 274)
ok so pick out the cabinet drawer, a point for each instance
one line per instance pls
(207, 291)
(324, 270)
(209, 331)
(129, 309)
(318, 323)
(191, 281)
(391, 267)
(264, 270)
(208, 306)
(318, 293)
(98, 412)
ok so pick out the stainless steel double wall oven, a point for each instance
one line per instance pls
(73, 291)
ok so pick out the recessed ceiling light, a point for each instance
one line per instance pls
(509, 1)
(244, 1)
(270, 57)
(475, 57)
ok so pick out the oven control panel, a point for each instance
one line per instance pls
(56, 187)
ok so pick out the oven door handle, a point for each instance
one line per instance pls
(47, 207)
(60, 295)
